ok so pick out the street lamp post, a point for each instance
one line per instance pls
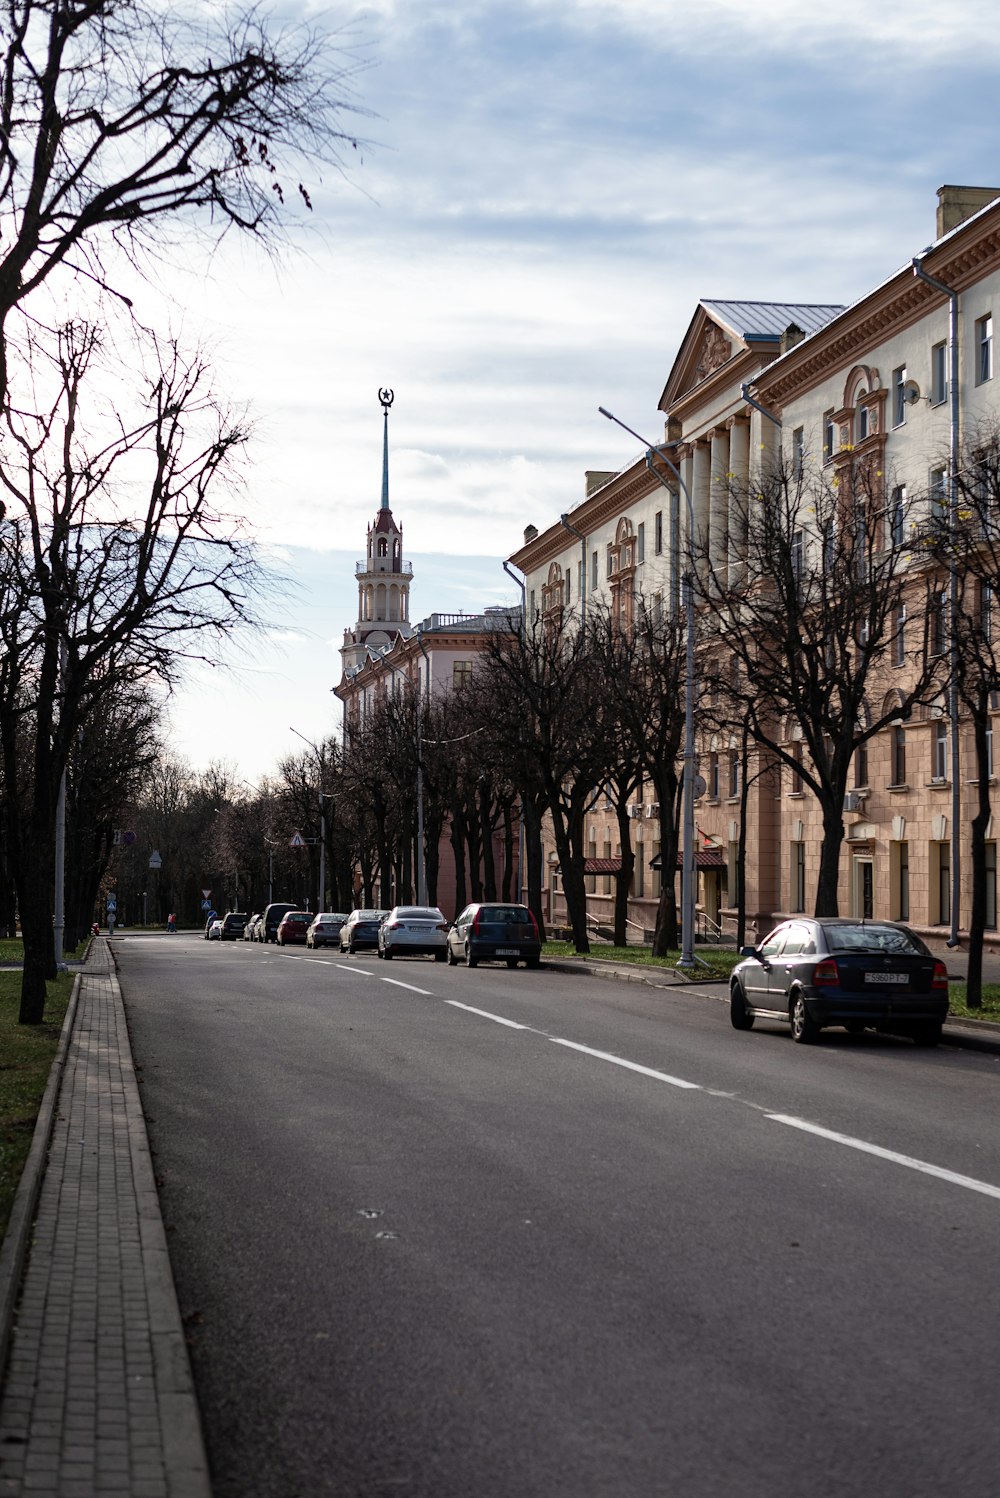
(687, 958)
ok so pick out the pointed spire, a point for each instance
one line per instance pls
(386, 398)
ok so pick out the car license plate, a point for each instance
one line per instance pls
(902, 978)
(507, 952)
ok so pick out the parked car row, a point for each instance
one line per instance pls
(483, 932)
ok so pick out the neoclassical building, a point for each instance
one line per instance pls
(822, 388)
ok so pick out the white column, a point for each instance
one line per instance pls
(719, 504)
(739, 495)
(701, 474)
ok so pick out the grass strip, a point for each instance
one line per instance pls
(718, 963)
(26, 1054)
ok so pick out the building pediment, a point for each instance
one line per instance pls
(706, 347)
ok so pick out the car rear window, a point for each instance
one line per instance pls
(508, 915)
(889, 939)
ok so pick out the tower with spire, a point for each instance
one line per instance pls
(383, 577)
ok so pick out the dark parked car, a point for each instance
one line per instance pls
(494, 933)
(293, 927)
(233, 925)
(834, 971)
(361, 930)
(272, 918)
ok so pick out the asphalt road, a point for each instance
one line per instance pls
(457, 1234)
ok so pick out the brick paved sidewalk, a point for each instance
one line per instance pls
(98, 1400)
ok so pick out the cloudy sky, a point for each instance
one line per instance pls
(544, 192)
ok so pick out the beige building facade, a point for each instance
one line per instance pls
(815, 387)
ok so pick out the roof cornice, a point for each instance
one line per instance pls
(633, 483)
(958, 261)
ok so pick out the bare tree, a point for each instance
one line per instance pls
(643, 668)
(117, 117)
(806, 625)
(545, 683)
(116, 563)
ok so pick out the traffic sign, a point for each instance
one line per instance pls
(155, 861)
(296, 840)
(206, 894)
(206, 904)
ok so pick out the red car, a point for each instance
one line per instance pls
(293, 927)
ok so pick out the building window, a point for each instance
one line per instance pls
(984, 349)
(798, 876)
(939, 374)
(569, 580)
(734, 772)
(991, 886)
(939, 507)
(986, 612)
(899, 635)
(640, 542)
(939, 751)
(612, 560)
(798, 452)
(713, 776)
(829, 436)
(897, 516)
(595, 568)
(861, 764)
(531, 603)
(902, 891)
(899, 396)
(864, 418)
(798, 557)
(797, 772)
(989, 746)
(898, 754)
(937, 631)
(658, 533)
(941, 865)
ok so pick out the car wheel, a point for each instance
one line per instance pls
(511, 961)
(533, 962)
(739, 1015)
(804, 1029)
(439, 956)
(352, 949)
(452, 959)
(470, 961)
(387, 953)
(854, 1026)
(927, 1033)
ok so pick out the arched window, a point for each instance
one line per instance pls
(383, 547)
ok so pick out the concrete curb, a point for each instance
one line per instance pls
(180, 1418)
(976, 1034)
(14, 1251)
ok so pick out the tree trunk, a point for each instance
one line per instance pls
(828, 883)
(623, 878)
(531, 878)
(486, 834)
(457, 838)
(665, 932)
(507, 877)
(569, 847)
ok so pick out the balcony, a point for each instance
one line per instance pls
(362, 569)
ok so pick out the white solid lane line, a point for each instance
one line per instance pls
(645, 1071)
(396, 984)
(346, 967)
(969, 1182)
(497, 1019)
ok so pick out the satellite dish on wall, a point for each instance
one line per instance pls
(911, 392)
